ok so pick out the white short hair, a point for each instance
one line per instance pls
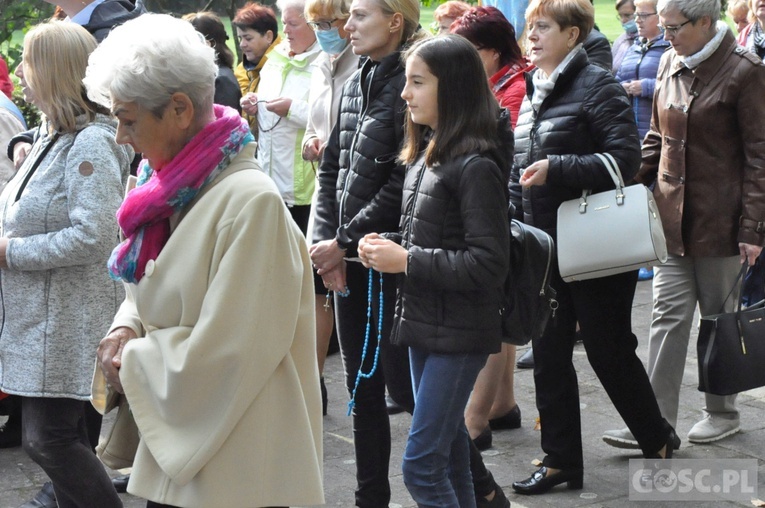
(692, 9)
(283, 5)
(148, 59)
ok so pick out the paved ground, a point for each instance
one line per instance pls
(606, 468)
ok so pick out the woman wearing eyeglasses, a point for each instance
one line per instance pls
(282, 109)
(573, 111)
(332, 69)
(704, 153)
(637, 72)
(625, 13)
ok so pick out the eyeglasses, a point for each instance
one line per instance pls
(673, 29)
(321, 26)
(642, 16)
(625, 17)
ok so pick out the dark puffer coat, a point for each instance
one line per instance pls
(360, 179)
(454, 224)
(587, 112)
(112, 13)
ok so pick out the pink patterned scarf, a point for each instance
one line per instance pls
(144, 215)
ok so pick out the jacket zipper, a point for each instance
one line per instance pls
(420, 177)
(353, 143)
(394, 335)
(643, 51)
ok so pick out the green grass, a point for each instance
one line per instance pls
(605, 18)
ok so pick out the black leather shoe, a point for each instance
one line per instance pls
(483, 440)
(392, 406)
(526, 361)
(120, 483)
(498, 501)
(10, 433)
(46, 498)
(673, 443)
(510, 420)
(540, 482)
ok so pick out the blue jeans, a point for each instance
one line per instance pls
(437, 457)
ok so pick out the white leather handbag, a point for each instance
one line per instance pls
(609, 232)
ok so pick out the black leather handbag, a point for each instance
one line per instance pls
(731, 348)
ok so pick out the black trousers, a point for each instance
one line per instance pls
(55, 436)
(371, 427)
(300, 214)
(603, 308)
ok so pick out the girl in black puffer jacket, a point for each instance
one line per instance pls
(452, 257)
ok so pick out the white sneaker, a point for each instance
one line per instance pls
(621, 438)
(714, 427)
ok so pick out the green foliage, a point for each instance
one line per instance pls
(17, 17)
(30, 113)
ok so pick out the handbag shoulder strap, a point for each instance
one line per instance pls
(613, 169)
(41, 155)
(739, 278)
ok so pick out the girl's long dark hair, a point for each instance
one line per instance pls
(467, 109)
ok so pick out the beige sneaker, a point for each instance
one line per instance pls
(713, 427)
(621, 438)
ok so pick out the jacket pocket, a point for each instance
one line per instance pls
(673, 149)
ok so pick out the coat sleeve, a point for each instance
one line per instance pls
(611, 125)
(385, 206)
(325, 213)
(651, 147)
(512, 98)
(94, 174)
(127, 314)
(485, 261)
(189, 385)
(298, 113)
(751, 111)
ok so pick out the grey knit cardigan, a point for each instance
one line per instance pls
(57, 298)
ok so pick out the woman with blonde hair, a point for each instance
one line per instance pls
(58, 227)
(360, 182)
(752, 37)
(738, 11)
(332, 68)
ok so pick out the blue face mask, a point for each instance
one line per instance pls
(330, 41)
(630, 27)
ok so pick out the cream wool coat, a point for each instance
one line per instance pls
(223, 381)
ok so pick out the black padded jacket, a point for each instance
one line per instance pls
(587, 112)
(454, 224)
(360, 178)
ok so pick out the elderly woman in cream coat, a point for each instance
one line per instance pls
(214, 344)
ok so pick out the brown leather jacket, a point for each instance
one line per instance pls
(706, 151)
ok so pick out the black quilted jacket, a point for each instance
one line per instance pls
(454, 224)
(359, 178)
(587, 112)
